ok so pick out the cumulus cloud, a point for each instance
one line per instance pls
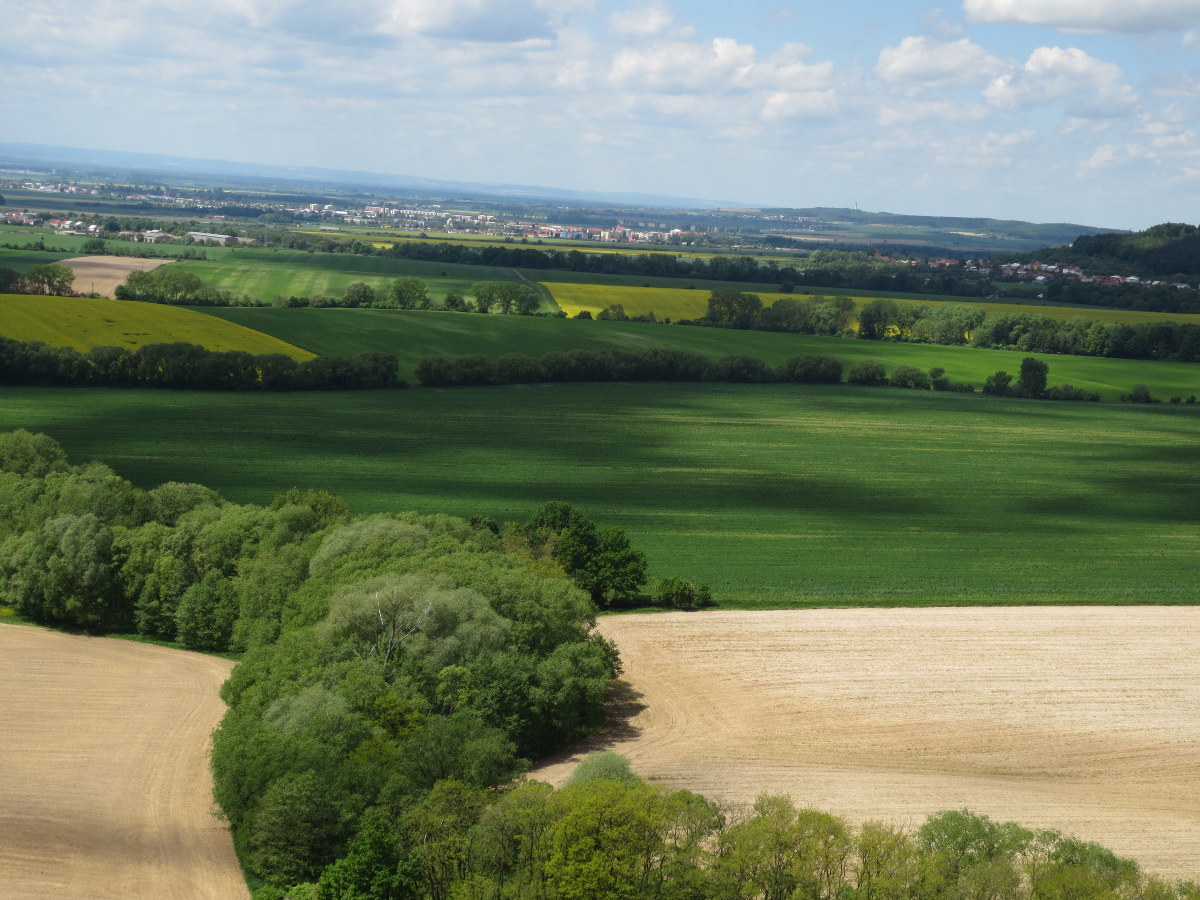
(799, 104)
(643, 20)
(920, 60)
(682, 65)
(1090, 87)
(508, 21)
(1088, 15)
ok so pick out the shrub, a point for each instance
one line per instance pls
(906, 376)
(997, 384)
(741, 368)
(813, 369)
(1067, 392)
(1139, 394)
(677, 593)
(869, 372)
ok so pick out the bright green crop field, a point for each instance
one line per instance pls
(265, 275)
(776, 495)
(411, 335)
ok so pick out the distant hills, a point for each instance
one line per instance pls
(929, 235)
(149, 167)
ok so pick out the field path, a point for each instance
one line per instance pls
(106, 791)
(103, 274)
(1082, 719)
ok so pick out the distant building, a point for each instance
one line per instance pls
(205, 236)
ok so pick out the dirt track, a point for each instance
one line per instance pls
(102, 274)
(1081, 719)
(105, 790)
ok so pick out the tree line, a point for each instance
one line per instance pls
(45, 278)
(664, 364)
(185, 366)
(958, 324)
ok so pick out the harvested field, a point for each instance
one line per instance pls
(106, 790)
(101, 274)
(1081, 719)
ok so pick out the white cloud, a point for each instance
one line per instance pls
(643, 20)
(1091, 87)
(902, 112)
(1088, 15)
(682, 65)
(923, 61)
(1108, 156)
(503, 21)
(799, 104)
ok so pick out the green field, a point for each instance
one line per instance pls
(267, 275)
(84, 323)
(775, 495)
(24, 260)
(412, 335)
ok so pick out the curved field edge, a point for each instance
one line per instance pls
(107, 790)
(777, 496)
(1076, 719)
(412, 335)
(84, 322)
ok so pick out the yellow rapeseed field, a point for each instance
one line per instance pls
(83, 323)
(682, 303)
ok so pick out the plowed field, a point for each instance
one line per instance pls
(102, 274)
(1080, 719)
(106, 791)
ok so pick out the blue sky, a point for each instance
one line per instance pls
(1084, 111)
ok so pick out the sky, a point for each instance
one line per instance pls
(1082, 111)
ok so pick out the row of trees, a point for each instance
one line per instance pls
(886, 319)
(170, 284)
(679, 365)
(607, 835)
(655, 364)
(46, 278)
(187, 366)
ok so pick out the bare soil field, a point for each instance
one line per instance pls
(106, 791)
(1086, 720)
(102, 274)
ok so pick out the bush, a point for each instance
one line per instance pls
(868, 372)
(813, 369)
(1067, 392)
(742, 369)
(997, 384)
(1139, 394)
(676, 593)
(603, 765)
(906, 376)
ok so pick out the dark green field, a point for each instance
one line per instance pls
(24, 260)
(413, 335)
(776, 495)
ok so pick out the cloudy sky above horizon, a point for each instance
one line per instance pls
(1083, 111)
